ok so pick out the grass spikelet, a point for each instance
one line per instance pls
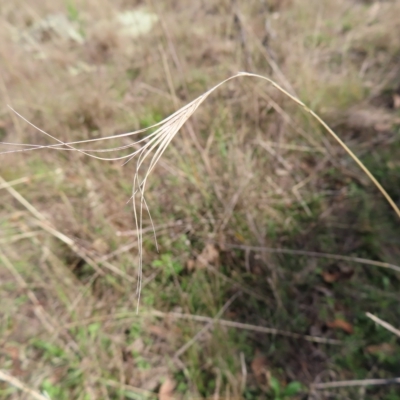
(155, 143)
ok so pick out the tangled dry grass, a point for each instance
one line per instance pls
(158, 141)
(263, 222)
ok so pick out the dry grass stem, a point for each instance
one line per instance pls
(16, 238)
(39, 311)
(207, 327)
(5, 377)
(208, 320)
(25, 179)
(339, 257)
(380, 322)
(120, 385)
(361, 382)
(247, 327)
(245, 289)
(46, 226)
(46, 320)
(244, 371)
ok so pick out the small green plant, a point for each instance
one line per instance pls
(72, 11)
(50, 350)
(168, 265)
(53, 391)
(75, 16)
(281, 393)
(93, 329)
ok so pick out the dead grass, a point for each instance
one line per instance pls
(249, 168)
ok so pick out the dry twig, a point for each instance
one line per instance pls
(248, 327)
(6, 377)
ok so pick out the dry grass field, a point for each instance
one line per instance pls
(272, 244)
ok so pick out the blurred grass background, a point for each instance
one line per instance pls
(250, 172)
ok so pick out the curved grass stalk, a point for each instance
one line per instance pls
(159, 140)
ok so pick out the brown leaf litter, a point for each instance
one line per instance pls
(341, 325)
(166, 391)
(259, 367)
(337, 273)
(208, 256)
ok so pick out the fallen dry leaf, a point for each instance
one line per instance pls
(101, 246)
(14, 353)
(190, 265)
(209, 255)
(151, 380)
(341, 324)
(136, 346)
(386, 349)
(167, 389)
(57, 375)
(259, 367)
(370, 117)
(383, 127)
(342, 273)
(158, 331)
(11, 351)
(396, 101)
(330, 277)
